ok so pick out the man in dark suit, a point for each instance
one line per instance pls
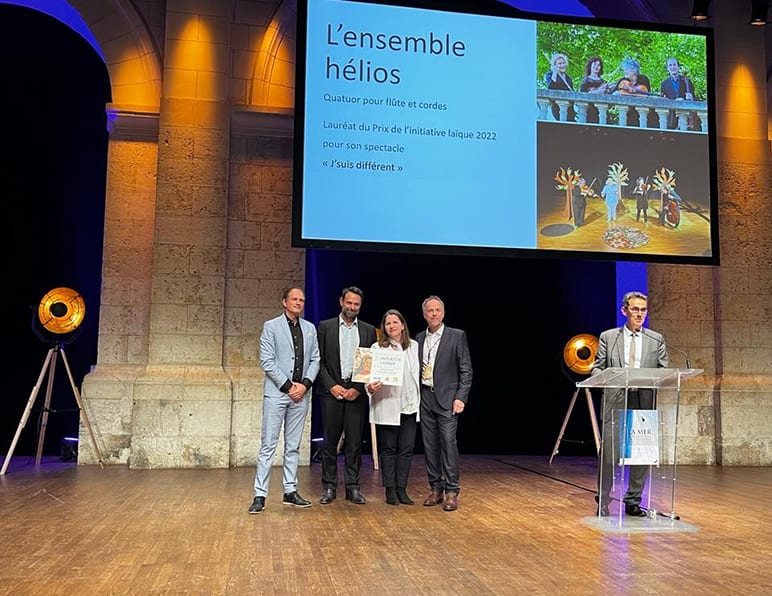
(628, 346)
(676, 86)
(345, 406)
(446, 378)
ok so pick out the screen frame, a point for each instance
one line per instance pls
(500, 9)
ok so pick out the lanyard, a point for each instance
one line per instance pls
(431, 347)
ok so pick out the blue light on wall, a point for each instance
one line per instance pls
(61, 11)
(559, 7)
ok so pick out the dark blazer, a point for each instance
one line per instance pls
(680, 89)
(329, 350)
(567, 85)
(452, 366)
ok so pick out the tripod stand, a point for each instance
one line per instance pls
(49, 365)
(593, 419)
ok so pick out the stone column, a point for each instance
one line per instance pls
(182, 402)
(124, 314)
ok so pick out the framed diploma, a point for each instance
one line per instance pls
(371, 365)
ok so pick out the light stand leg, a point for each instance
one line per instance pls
(46, 407)
(27, 411)
(83, 415)
(374, 443)
(49, 365)
(340, 442)
(593, 420)
(565, 423)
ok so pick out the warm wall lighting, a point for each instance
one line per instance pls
(700, 10)
(759, 10)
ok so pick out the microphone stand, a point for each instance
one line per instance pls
(613, 346)
(686, 357)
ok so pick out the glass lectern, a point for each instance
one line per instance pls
(638, 443)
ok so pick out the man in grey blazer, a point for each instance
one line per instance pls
(289, 357)
(632, 346)
(446, 379)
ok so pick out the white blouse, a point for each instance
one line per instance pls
(389, 402)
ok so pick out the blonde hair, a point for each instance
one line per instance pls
(557, 55)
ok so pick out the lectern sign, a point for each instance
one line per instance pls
(639, 430)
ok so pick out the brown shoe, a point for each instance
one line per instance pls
(434, 498)
(451, 502)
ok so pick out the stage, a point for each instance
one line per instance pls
(524, 526)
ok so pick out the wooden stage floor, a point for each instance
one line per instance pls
(74, 530)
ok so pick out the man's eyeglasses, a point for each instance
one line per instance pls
(637, 310)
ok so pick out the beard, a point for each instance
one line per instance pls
(349, 313)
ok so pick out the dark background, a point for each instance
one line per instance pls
(518, 313)
(55, 90)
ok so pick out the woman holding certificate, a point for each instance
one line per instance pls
(394, 409)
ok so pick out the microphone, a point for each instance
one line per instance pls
(669, 347)
(680, 351)
(614, 345)
(660, 339)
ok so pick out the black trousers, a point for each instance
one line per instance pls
(395, 447)
(343, 417)
(438, 431)
(579, 205)
(636, 400)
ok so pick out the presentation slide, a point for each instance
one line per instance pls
(418, 112)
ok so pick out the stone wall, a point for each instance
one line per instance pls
(197, 240)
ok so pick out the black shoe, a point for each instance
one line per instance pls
(403, 498)
(328, 496)
(391, 497)
(295, 500)
(258, 504)
(634, 510)
(353, 495)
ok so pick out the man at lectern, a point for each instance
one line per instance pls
(632, 346)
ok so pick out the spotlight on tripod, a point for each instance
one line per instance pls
(578, 357)
(60, 314)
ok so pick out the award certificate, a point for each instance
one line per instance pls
(382, 365)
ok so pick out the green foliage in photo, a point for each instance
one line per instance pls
(650, 48)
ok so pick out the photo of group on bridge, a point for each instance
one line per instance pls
(621, 77)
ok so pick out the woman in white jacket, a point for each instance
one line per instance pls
(395, 409)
